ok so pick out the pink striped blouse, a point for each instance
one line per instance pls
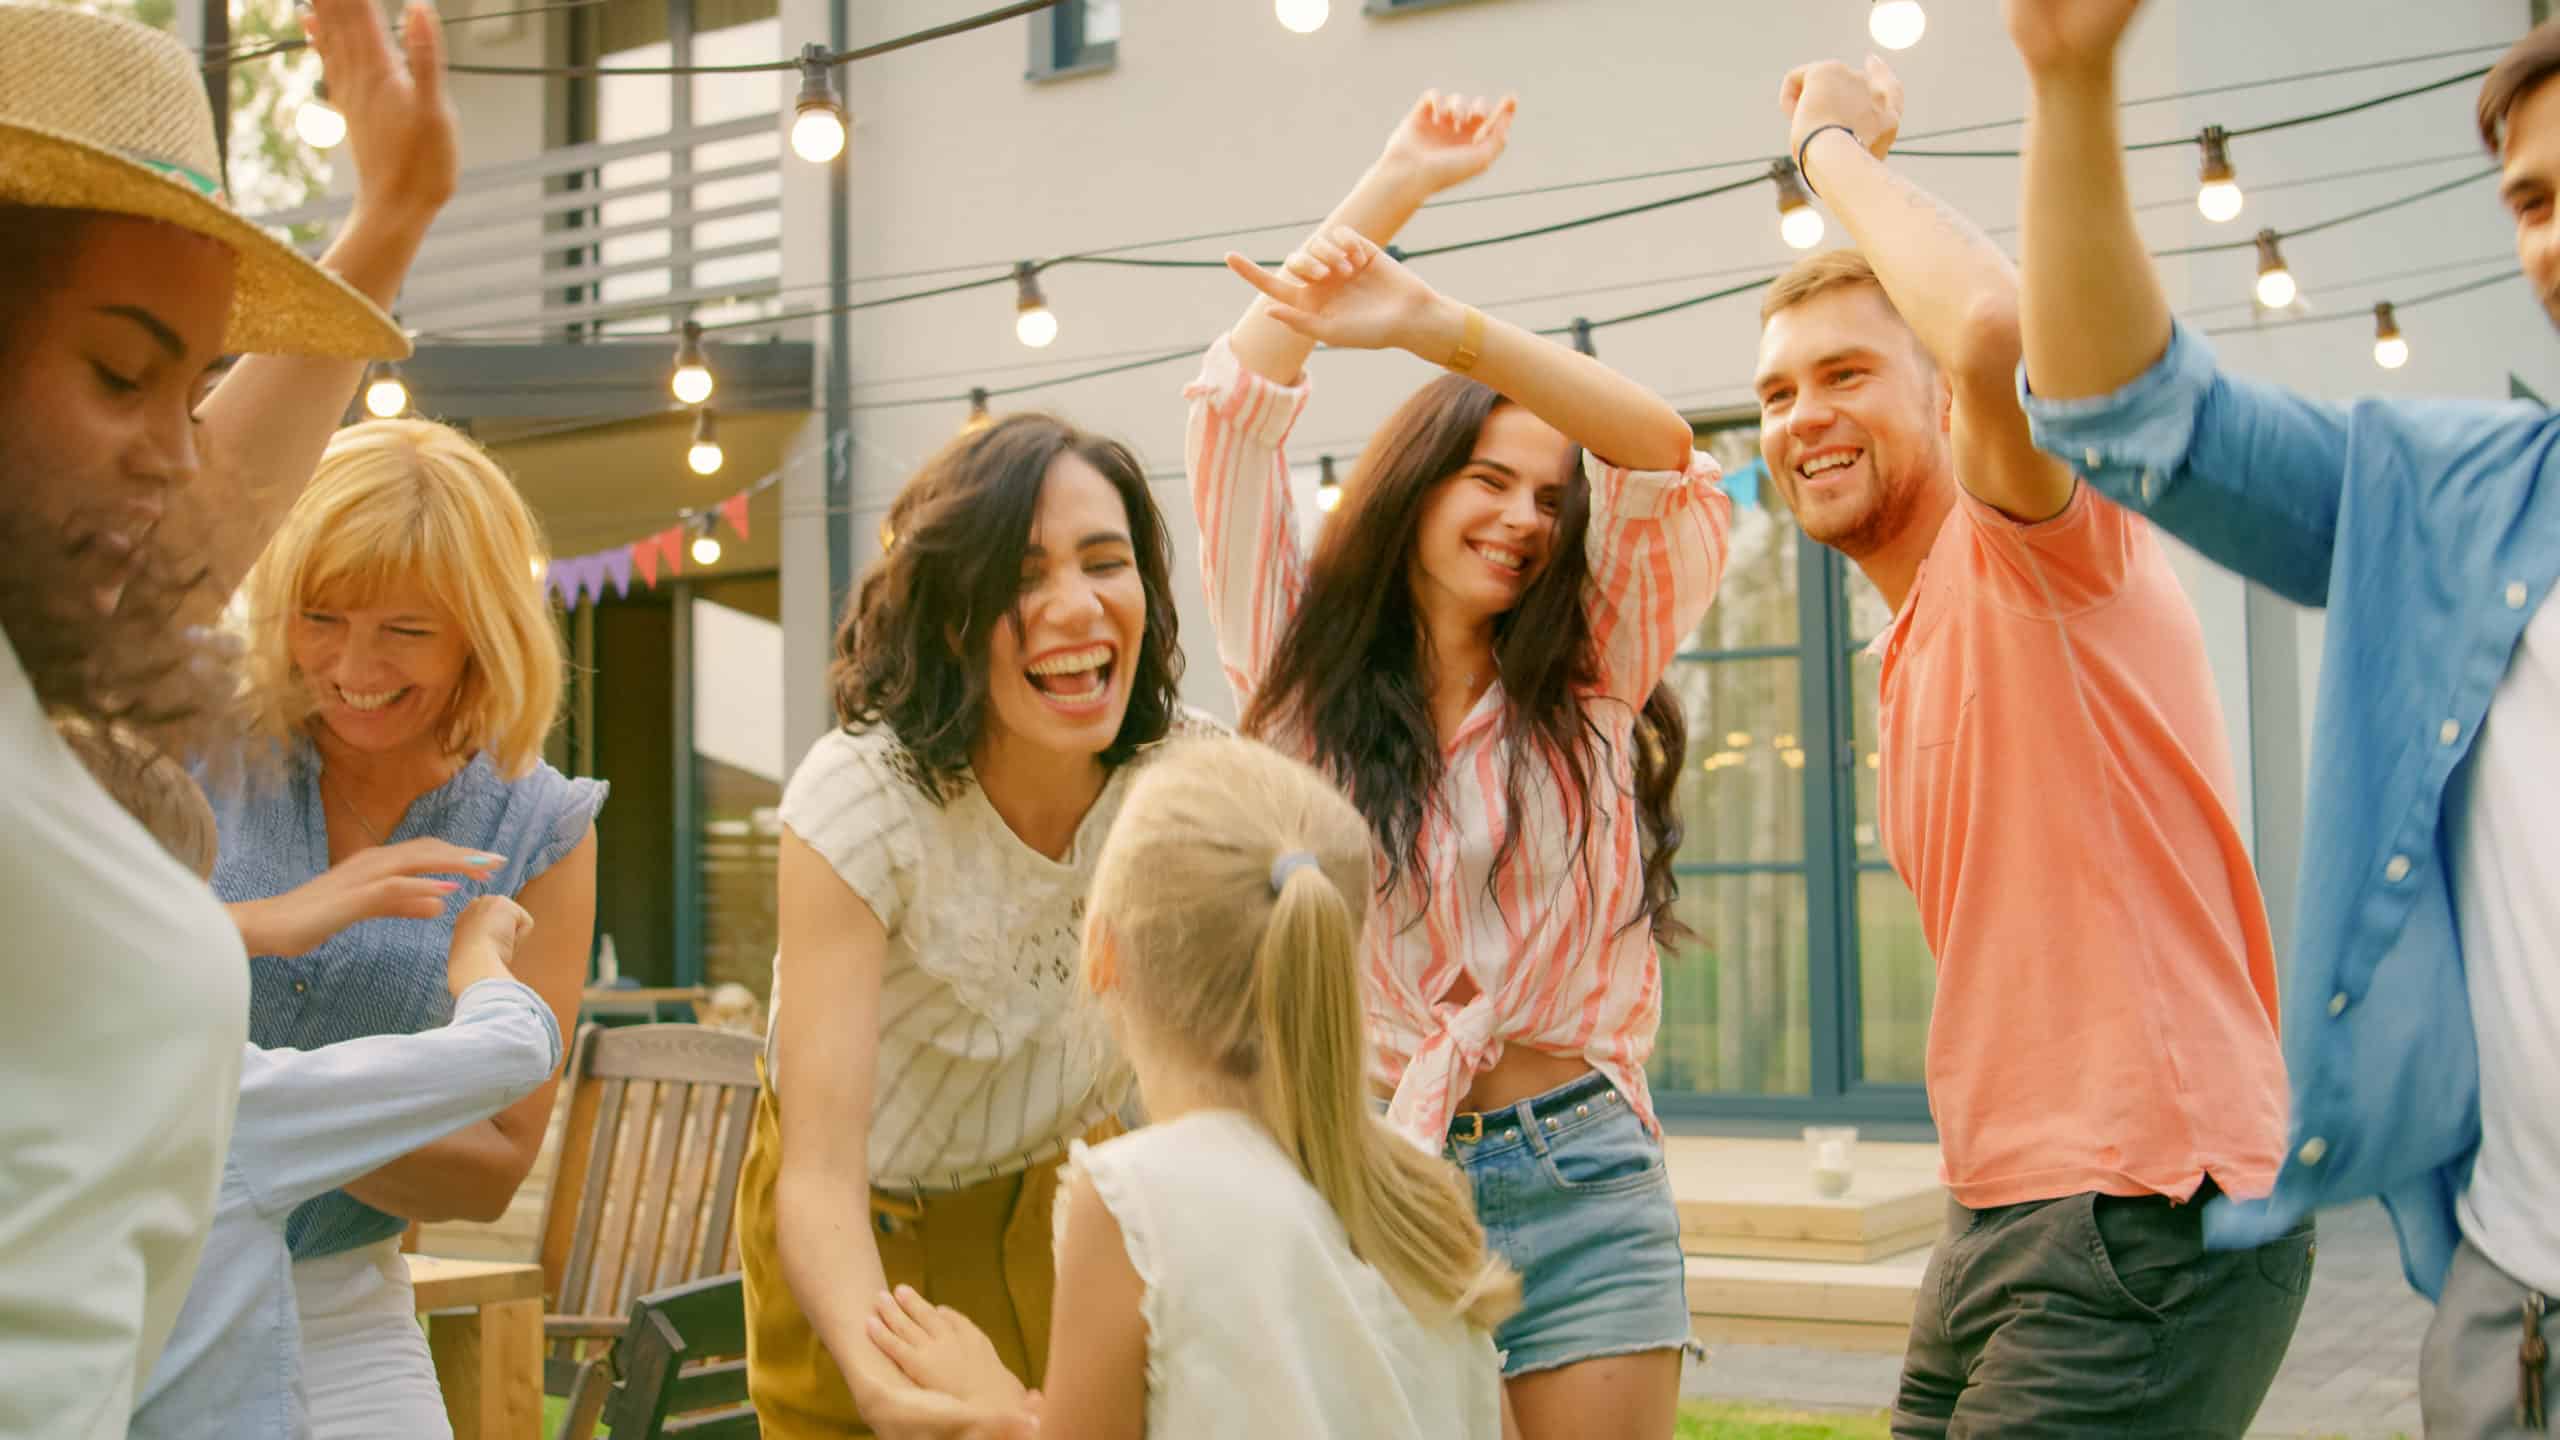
(1555, 965)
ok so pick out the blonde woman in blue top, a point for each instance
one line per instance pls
(401, 650)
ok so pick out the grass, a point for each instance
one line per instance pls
(1715, 1420)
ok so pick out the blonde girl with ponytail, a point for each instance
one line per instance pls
(1267, 1257)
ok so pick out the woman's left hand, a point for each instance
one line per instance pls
(1340, 289)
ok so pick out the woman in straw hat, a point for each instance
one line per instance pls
(131, 500)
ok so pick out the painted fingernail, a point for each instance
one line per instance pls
(488, 859)
(448, 886)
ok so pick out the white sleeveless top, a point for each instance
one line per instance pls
(1260, 1320)
(988, 1059)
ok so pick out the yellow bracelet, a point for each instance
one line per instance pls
(1470, 342)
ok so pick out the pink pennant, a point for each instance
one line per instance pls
(734, 511)
(644, 554)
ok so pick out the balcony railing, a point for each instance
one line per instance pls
(587, 241)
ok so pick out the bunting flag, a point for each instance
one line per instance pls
(591, 577)
(644, 553)
(1744, 484)
(671, 546)
(576, 580)
(734, 511)
(617, 564)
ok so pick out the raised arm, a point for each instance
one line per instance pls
(1444, 140)
(1954, 288)
(2094, 316)
(267, 422)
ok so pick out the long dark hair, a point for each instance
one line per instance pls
(911, 649)
(1348, 675)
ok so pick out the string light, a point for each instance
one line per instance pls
(536, 565)
(2275, 283)
(1580, 329)
(705, 457)
(1302, 17)
(2390, 351)
(692, 382)
(1897, 24)
(818, 119)
(2218, 192)
(1798, 222)
(1033, 324)
(386, 397)
(706, 545)
(1328, 489)
(318, 122)
(980, 417)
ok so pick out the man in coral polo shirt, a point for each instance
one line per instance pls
(2056, 789)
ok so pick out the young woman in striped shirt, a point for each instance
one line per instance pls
(1473, 652)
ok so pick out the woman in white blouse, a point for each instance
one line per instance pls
(994, 677)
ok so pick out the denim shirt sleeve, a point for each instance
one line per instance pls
(313, 1120)
(2248, 474)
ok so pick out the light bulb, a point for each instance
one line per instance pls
(1801, 227)
(692, 382)
(535, 565)
(706, 549)
(2390, 350)
(706, 457)
(2218, 192)
(1036, 327)
(817, 135)
(2275, 282)
(1328, 498)
(1897, 24)
(1303, 17)
(387, 398)
(2219, 200)
(319, 124)
(817, 126)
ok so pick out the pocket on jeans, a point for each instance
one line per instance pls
(1605, 1156)
(2285, 1262)
(2103, 1262)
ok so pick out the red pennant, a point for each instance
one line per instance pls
(644, 553)
(734, 510)
(671, 541)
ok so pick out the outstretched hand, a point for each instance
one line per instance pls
(1868, 102)
(940, 1350)
(1340, 289)
(381, 883)
(1448, 140)
(400, 122)
(2068, 36)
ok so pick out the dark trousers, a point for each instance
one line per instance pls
(2096, 1315)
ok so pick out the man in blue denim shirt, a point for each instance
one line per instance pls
(2425, 988)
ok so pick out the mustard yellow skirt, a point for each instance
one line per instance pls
(983, 1251)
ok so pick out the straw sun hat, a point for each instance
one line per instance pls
(102, 114)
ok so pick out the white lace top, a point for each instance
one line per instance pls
(988, 1060)
(1260, 1320)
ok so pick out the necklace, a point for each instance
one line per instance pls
(352, 812)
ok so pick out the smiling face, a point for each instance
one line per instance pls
(2529, 186)
(1489, 529)
(382, 676)
(1853, 418)
(1059, 671)
(104, 372)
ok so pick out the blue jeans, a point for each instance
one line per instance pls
(1570, 1188)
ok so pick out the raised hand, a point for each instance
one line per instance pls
(940, 1350)
(1340, 289)
(2067, 36)
(484, 943)
(385, 882)
(1448, 140)
(1830, 93)
(400, 121)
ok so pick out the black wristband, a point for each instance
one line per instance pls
(1807, 144)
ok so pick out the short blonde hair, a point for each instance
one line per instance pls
(1817, 275)
(1227, 904)
(401, 502)
(151, 787)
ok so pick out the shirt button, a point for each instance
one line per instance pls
(2337, 1004)
(2515, 594)
(2448, 732)
(2150, 484)
(2314, 1150)
(301, 987)
(2090, 456)
(2397, 870)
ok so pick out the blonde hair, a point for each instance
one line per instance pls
(1259, 987)
(1817, 275)
(151, 787)
(398, 502)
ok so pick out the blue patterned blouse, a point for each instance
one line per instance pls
(380, 977)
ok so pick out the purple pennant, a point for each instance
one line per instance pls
(617, 564)
(556, 580)
(590, 578)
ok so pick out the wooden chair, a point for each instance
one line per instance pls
(645, 1195)
(680, 1366)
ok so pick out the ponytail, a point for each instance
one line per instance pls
(1405, 1212)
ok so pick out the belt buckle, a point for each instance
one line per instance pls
(1468, 1137)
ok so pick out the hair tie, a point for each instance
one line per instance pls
(1288, 865)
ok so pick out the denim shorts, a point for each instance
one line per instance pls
(1571, 1189)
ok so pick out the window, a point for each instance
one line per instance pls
(1074, 37)
(1804, 990)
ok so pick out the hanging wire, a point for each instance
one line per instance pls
(831, 59)
(224, 57)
